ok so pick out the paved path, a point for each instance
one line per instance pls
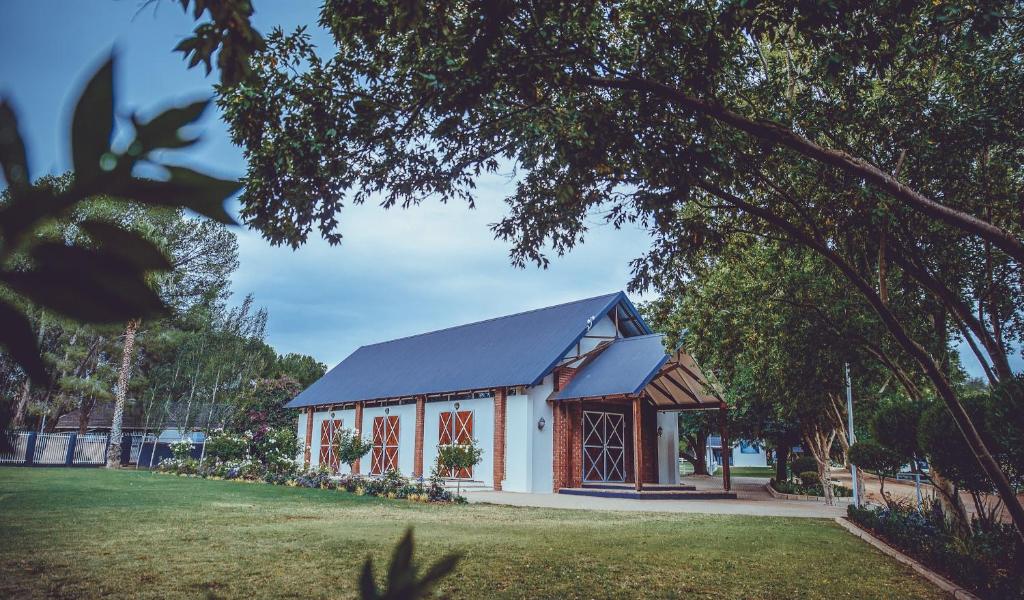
(751, 499)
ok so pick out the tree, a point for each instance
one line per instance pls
(452, 459)
(801, 120)
(877, 458)
(350, 447)
(302, 368)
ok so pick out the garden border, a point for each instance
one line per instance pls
(800, 497)
(939, 581)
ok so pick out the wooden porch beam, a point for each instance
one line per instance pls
(638, 446)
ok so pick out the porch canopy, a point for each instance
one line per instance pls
(639, 367)
(639, 370)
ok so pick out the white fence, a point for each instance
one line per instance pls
(91, 449)
(19, 443)
(28, 447)
(51, 448)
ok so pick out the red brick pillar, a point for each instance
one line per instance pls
(574, 439)
(417, 458)
(638, 443)
(558, 446)
(500, 402)
(309, 437)
(359, 432)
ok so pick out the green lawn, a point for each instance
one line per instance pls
(748, 471)
(89, 533)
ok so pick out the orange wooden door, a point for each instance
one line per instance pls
(384, 456)
(456, 428)
(329, 428)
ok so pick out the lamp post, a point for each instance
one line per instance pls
(849, 434)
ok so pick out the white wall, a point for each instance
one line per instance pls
(749, 460)
(519, 443)
(668, 447)
(483, 432)
(541, 469)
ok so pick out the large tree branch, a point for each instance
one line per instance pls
(927, 363)
(773, 132)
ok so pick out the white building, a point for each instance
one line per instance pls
(560, 398)
(743, 454)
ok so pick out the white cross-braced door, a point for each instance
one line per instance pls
(604, 446)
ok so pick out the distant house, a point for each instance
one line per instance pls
(559, 397)
(162, 418)
(743, 453)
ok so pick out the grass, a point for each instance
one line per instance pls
(90, 533)
(748, 471)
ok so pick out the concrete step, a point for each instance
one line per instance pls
(659, 487)
(465, 485)
(651, 494)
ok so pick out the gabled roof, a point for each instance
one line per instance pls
(639, 365)
(517, 349)
(624, 367)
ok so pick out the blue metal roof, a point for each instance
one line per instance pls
(518, 349)
(626, 366)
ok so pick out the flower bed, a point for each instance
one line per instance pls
(989, 561)
(390, 485)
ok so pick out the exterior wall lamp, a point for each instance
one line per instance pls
(540, 424)
(659, 430)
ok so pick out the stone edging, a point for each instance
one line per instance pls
(801, 497)
(939, 581)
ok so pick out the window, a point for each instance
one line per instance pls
(746, 448)
(385, 445)
(456, 428)
(329, 428)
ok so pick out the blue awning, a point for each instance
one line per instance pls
(624, 367)
(639, 366)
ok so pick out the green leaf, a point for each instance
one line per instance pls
(367, 586)
(441, 568)
(90, 285)
(12, 149)
(127, 245)
(190, 189)
(162, 131)
(401, 572)
(93, 123)
(20, 342)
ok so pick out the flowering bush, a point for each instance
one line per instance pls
(181, 449)
(390, 485)
(223, 446)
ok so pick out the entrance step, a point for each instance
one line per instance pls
(466, 485)
(649, 494)
(659, 487)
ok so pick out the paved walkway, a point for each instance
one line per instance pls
(752, 499)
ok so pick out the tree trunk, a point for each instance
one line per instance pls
(819, 444)
(952, 504)
(697, 454)
(895, 328)
(127, 357)
(22, 406)
(781, 462)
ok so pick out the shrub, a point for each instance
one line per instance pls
(878, 459)
(815, 489)
(809, 478)
(181, 449)
(802, 464)
(987, 561)
(222, 446)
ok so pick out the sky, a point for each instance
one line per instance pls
(397, 272)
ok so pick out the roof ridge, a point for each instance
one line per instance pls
(525, 312)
